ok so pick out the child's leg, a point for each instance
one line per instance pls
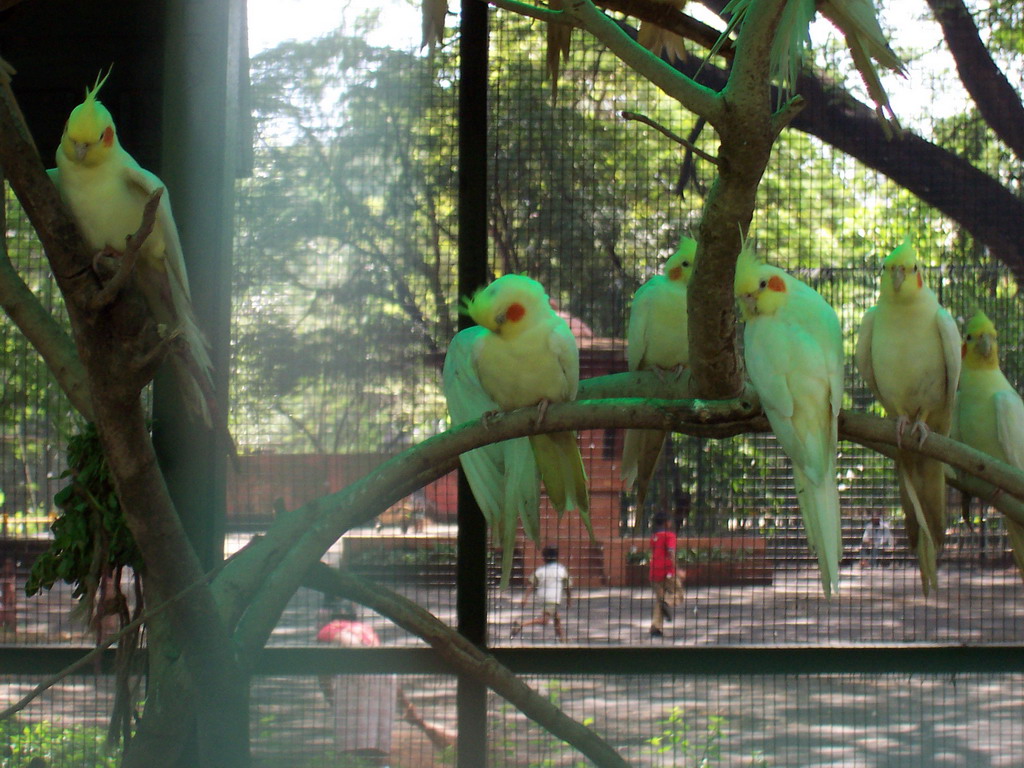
(557, 621)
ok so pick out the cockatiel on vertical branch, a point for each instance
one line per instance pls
(521, 354)
(106, 190)
(989, 413)
(793, 350)
(856, 19)
(908, 352)
(656, 341)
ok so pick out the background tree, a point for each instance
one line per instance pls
(215, 636)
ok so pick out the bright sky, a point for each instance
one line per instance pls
(274, 21)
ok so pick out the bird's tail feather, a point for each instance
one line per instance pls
(641, 450)
(561, 469)
(922, 484)
(819, 507)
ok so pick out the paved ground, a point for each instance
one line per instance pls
(835, 720)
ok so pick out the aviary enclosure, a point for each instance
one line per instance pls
(365, 182)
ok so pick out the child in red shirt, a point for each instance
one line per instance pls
(663, 574)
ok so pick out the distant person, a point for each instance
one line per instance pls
(877, 540)
(364, 705)
(550, 583)
(664, 579)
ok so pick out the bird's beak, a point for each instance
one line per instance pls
(748, 305)
(80, 150)
(984, 345)
(499, 320)
(898, 276)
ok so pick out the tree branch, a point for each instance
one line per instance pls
(44, 333)
(275, 566)
(299, 539)
(105, 342)
(967, 484)
(997, 100)
(872, 430)
(465, 658)
(748, 75)
(695, 97)
(670, 18)
(86, 658)
(626, 115)
(991, 212)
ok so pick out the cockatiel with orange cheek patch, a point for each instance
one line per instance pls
(793, 350)
(989, 413)
(657, 341)
(106, 191)
(908, 352)
(521, 354)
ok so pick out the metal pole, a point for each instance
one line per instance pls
(471, 575)
(200, 119)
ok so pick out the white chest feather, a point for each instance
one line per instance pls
(908, 359)
(106, 207)
(531, 367)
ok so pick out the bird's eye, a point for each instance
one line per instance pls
(968, 337)
(915, 267)
(686, 264)
(763, 284)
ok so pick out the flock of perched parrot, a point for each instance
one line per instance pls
(521, 353)
(909, 352)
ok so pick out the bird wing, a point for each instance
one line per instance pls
(951, 343)
(796, 391)
(639, 326)
(563, 344)
(502, 476)
(862, 356)
(146, 184)
(1010, 426)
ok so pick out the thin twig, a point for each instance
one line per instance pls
(674, 136)
(146, 365)
(132, 250)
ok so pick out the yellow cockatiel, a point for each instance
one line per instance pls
(520, 354)
(657, 340)
(793, 350)
(106, 190)
(908, 352)
(989, 413)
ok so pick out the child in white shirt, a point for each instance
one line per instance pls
(550, 583)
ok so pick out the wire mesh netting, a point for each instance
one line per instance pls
(761, 721)
(345, 299)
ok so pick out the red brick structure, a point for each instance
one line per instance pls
(296, 479)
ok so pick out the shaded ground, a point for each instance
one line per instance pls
(833, 720)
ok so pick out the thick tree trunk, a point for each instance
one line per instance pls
(971, 197)
(119, 348)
